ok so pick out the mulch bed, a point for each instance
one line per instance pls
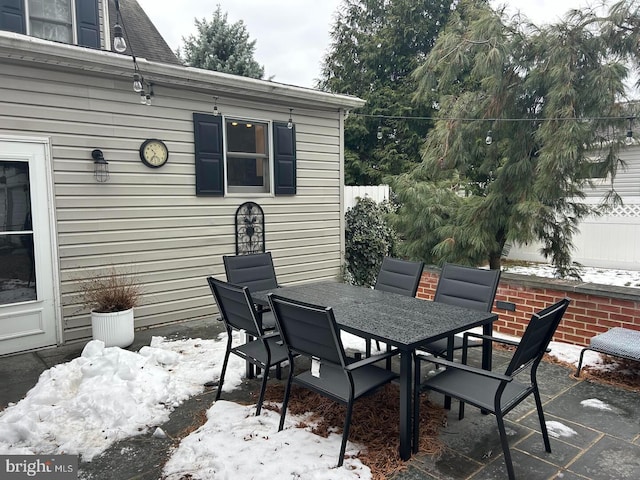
(374, 424)
(618, 372)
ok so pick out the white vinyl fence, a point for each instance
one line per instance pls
(379, 193)
(610, 241)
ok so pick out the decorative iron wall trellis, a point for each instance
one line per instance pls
(249, 229)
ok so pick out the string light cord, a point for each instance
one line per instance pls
(470, 119)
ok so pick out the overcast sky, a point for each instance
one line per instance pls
(293, 35)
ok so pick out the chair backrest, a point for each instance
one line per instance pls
(399, 276)
(254, 271)
(538, 334)
(467, 287)
(309, 330)
(236, 306)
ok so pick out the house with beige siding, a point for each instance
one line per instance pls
(65, 94)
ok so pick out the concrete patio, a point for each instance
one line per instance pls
(605, 445)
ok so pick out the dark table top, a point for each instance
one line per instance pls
(402, 321)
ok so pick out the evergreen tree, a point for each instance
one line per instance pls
(222, 47)
(375, 46)
(553, 99)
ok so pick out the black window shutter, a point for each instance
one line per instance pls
(207, 132)
(88, 26)
(12, 16)
(284, 162)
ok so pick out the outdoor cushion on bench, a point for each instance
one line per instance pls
(618, 342)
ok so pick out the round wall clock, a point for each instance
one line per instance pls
(154, 153)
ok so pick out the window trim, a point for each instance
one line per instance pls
(74, 22)
(244, 190)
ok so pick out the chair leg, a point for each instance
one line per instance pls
(224, 369)
(345, 433)
(461, 410)
(447, 399)
(543, 424)
(416, 406)
(577, 374)
(263, 388)
(285, 402)
(367, 348)
(505, 446)
(279, 371)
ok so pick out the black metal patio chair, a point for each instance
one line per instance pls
(397, 276)
(311, 331)
(493, 392)
(465, 287)
(255, 271)
(264, 350)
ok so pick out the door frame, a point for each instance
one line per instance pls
(51, 216)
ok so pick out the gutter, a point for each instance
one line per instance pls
(18, 48)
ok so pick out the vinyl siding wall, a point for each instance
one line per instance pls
(608, 241)
(150, 220)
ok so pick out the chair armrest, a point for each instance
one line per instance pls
(493, 339)
(372, 359)
(466, 368)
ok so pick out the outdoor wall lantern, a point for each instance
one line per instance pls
(100, 166)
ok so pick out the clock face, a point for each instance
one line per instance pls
(154, 153)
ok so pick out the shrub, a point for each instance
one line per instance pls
(368, 239)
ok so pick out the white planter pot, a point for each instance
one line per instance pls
(114, 329)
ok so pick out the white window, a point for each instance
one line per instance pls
(247, 156)
(51, 19)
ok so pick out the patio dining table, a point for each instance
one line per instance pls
(400, 321)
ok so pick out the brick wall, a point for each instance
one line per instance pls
(594, 308)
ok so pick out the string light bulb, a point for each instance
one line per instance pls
(216, 112)
(143, 97)
(290, 122)
(379, 133)
(119, 44)
(489, 139)
(137, 82)
(629, 140)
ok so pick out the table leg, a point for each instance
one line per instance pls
(487, 351)
(447, 399)
(249, 365)
(487, 347)
(405, 404)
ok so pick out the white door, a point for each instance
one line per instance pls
(28, 315)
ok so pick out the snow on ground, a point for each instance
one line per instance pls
(557, 429)
(596, 404)
(108, 394)
(292, 453)
(603, 276)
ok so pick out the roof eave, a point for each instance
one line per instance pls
(22, 48)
